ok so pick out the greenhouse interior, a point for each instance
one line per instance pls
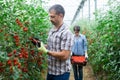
(26, 24)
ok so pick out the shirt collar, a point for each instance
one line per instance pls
(60, 29)
(78, 35)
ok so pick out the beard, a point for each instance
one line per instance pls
(54, 23)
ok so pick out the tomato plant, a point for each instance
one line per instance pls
(19, 23)
(106, 46)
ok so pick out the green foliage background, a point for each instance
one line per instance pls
(105, 50)
(35, 18)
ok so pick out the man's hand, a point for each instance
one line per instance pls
(39, 45)
(36, 42)
(42, 48)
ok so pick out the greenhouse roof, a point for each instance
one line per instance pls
(76, 9)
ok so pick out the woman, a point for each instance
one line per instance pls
(79, 48)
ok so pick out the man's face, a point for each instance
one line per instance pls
(54, 18)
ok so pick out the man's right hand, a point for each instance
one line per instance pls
(36, 42)
(39, 45)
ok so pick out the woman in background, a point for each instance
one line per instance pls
(79, 48)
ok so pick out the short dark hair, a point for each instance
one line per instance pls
(58, 8)
(76, 28)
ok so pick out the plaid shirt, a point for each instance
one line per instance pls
(59, 40)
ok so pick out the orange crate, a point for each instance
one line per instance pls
(78, 60)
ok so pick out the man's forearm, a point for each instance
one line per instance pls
(63, 55)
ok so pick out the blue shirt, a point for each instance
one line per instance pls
(79, 45)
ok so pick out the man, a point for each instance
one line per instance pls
(58, 46)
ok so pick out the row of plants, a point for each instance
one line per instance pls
(20, 22)
(103, 36)
(105, 49)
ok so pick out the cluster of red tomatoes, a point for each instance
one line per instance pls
(22, 56)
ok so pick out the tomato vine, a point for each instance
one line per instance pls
(19, 22)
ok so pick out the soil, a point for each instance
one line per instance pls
(87, 73)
